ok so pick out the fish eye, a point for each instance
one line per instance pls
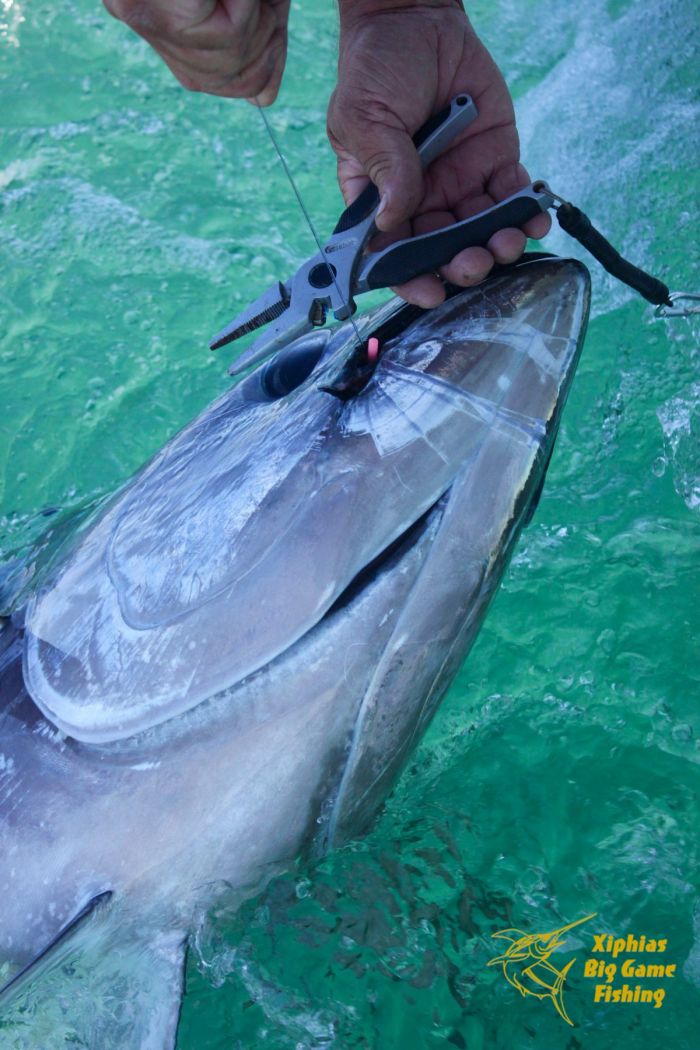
(292, 366)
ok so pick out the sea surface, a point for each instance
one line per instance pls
(560, 777)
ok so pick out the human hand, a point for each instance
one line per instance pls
(400, 61)
(234, 48)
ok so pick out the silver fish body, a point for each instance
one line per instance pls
(231, 663)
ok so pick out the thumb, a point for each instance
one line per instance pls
(390, 159)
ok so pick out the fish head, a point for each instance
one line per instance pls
(245, 530)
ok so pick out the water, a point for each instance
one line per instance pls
(561, 774)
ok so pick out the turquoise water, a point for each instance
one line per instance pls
(560, 777)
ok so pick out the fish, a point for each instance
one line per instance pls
(225, 666)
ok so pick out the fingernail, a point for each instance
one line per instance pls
(385, 218)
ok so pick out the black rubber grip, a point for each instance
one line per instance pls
(427, 253)
(369, 198)
(360, 208)
(574, 222)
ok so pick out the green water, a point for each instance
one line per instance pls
(560, 777)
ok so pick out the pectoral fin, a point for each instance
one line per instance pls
(54, 950)
(97, 984)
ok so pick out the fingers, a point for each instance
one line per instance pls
(507, 245)
(468, 267)
(538, 227)
(396, 172)
(235, 50)
(212, 73)
(471, 266)
(426, 291)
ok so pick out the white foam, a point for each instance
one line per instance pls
(607, 115)
(680, 421)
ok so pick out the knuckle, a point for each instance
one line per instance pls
(378, 160)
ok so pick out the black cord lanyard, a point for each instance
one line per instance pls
(574, 222)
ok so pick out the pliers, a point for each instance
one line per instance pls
(343, 268)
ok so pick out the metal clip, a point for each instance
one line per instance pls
(682, 311)
(542, 187)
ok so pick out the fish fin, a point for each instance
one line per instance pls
(167, 965)
(53, 949)
(109, 987)
(558, 993)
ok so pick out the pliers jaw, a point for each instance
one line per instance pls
(290, 312)
(268, 306)
(318, 286)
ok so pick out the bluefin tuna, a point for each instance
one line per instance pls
(228, 664)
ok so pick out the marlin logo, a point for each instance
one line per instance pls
(527, 967)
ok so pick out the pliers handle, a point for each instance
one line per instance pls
(427, 252)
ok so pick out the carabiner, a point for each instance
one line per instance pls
(681, 311)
